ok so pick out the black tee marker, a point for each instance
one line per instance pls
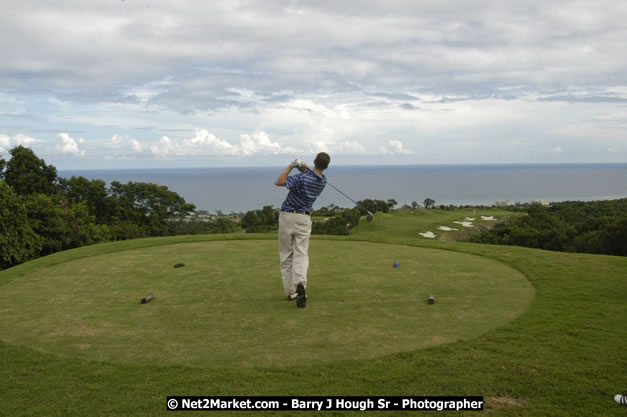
(147, 298)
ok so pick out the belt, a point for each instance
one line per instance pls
(297, 212)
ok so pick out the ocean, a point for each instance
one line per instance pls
(242, 189)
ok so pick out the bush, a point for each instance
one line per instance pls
(18, 242)
(260, 221)
(373, 206)
(575, 226)
(195, 227)
(340, 224)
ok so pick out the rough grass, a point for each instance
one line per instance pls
(564, 356)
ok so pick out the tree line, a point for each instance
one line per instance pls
(574, 226)
(331, 220)
(41, 213)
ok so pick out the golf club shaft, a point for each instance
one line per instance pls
(340, 191)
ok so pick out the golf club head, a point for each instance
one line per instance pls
(369, 218)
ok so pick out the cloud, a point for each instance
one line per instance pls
(259, 143)
(166, 148)
(584, 99)
(136, 146)
(206, 144)
(125, 143)
(202, 143)
(289, 77)
(8, 142)
(348, 147)
(68, 145)
(389, 49)
(394, 147)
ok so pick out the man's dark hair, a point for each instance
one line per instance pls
(322, 160)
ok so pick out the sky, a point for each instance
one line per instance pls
(153, 83)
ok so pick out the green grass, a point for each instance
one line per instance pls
(218, 311)
(409, 223)
(564, 356)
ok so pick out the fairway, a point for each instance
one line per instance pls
(226, 307)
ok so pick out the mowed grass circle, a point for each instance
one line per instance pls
(226, 306)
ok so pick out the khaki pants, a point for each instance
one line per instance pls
(294, 232)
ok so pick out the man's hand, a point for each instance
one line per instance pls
(297, 164)
(300, 165)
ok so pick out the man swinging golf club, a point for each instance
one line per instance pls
(295, 223)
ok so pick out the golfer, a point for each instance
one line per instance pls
(295, 223)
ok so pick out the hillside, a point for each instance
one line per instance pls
(543, 361)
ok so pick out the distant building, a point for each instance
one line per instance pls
(540, 202)
(504, 203)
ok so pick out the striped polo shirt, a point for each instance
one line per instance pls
(304, 189)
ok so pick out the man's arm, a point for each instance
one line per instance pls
(280, 182)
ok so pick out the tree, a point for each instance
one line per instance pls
(340, 224)
(223, 225)
(373, 206)
(18, 242)
(27, 174)
(414, 204)
(391, 203)
(93, 192)
(42, 214)
(269, 216)
(571, 226)
(250, 221)
(61, 226)
(194, 226)
(615, 237)
(428, 203)
(264, 220)
(330, 210)
(148, 206)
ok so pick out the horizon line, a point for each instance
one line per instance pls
(500, 164)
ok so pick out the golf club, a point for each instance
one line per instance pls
(369, 218)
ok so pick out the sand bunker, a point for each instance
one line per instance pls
(465, 224)
(429, 235)
(470, 219)
(446, 228)
(487, 218)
